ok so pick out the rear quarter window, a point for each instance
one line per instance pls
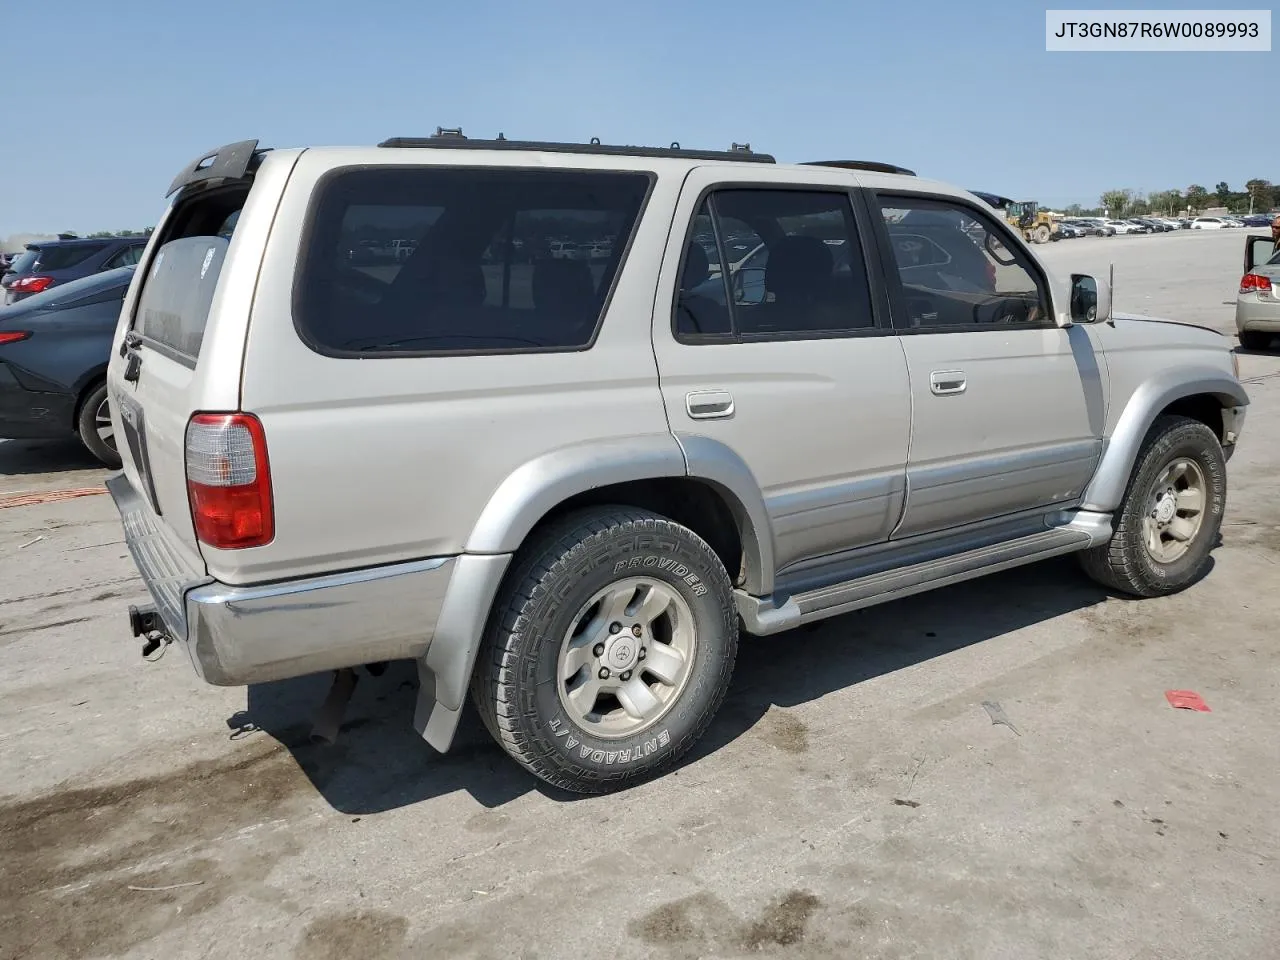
(434, 260)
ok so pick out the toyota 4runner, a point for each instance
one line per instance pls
(558, 421)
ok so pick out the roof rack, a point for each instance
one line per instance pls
(862, 165)
(452, 138)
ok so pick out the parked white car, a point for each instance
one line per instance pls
(1209, 223)
(1123, 226)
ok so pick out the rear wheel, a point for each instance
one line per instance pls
(95, 429)
(1171, 513)
(611, 647)
(1041, 233)
(1254, 339)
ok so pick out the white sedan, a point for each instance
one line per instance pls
(1123, 227)
(1209, 223)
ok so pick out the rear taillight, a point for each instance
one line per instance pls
(229, 480)
(13, 336)
(31, 284)
(1254, 283)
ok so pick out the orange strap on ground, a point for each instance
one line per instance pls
(49, 496)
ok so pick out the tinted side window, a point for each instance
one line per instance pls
(125, 258)
(956, 270)
(794, 267)
(453, 260)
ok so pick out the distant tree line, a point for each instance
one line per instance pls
(1258, 196)
(108, 234)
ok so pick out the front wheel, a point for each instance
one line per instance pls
(1171, 513)
(95, 429)
(610, 649)
(1041, 234)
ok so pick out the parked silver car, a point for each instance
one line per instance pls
(566, 485)
(1258, 299)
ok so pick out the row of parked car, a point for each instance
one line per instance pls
(59, 301)
(1069, 228)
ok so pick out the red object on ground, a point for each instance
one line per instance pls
(1186, 700)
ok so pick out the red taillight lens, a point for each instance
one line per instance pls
(13, 336)
(31, 284)
(229, 480)
(1254, 282)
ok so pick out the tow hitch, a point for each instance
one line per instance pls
(145, 622)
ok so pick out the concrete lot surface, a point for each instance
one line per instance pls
(853, 800)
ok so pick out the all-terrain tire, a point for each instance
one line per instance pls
(1124, 563)
(516, 684)
(87, 427)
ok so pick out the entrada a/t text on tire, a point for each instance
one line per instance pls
(610, 648)
(1171, 513)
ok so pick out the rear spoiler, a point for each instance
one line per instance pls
(230, 162)
(993, 199)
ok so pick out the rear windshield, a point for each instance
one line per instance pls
(431, 259)
(177, 291)
(62, 257)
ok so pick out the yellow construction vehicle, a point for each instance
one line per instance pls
(1036, 225)
(1025, 216)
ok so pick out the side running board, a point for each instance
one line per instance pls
(762, 616)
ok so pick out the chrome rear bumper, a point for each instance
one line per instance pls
(242, 635)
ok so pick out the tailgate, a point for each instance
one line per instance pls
(156, 389)
(180, 341)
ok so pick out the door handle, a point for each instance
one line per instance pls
(943, 382)
(709, 404)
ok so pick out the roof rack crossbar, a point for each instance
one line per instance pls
(873, 165)
(453, 140)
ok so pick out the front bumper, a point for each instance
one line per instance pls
(243, 635)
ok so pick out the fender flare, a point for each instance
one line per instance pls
(717, 464)
(1107, 487)
(536, 488)
(527, 495)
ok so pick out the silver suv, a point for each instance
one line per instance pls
(755, 395)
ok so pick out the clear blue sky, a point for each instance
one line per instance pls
(106, 101)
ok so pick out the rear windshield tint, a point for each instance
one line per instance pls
(432, 259)
(62, 257)
(173, 306)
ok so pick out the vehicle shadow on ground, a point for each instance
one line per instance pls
(27, 457)
(379, 763)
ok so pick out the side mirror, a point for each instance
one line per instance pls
(1257, 249)
(1089, 301)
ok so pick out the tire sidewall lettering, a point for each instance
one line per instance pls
(663, 558)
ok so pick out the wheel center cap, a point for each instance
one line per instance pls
(1165, 509)
(620, 653)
